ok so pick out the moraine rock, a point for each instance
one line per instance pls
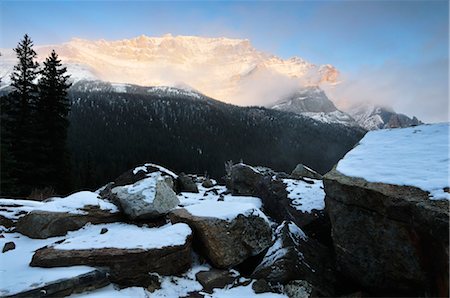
(226, 233)
(389, 211)
(244, 179)
(76, 210)
(8, 246)
(391, 239)
(186, 184)
(148, 198)
(165, 250)
(215, 278)
(66, 286)
(301, 171)
(294, 256)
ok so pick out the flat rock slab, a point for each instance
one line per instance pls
(67, 286)
(215, 278)
(128, 251)
(226, 233)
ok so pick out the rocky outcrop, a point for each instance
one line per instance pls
(148, 198)
(46, 224)
(67, 286)
(294, 256)
(391, 239)
(227, 243)
(127, 266)
(301, 171)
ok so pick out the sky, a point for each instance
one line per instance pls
(390, 52)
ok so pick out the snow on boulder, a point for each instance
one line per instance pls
(391, 194)
(227, 233)
(56, 216)
(148, 198)
(165, 250)
(294, 256)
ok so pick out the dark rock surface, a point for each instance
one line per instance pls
(244, 179)
(226, 243)
(65, 287)
(294, 256)
(391, 239)
(215, 278)
(45, 224)
(186, 184)
(8, 246)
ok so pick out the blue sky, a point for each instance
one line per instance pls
(355, 36)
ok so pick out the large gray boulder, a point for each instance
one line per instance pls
(244, 179)
(391, 239)
(226, 242)
(294, 256)
(45, 224)
(148, 198)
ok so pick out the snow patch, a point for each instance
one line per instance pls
(89, 237)
(225, 210)
(305, 196)
(414, 156)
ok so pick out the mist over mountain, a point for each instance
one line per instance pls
(230, 70)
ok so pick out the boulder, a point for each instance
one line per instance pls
(8, 246)
(294, 256)
(6, 222)
(244, 179)
(148, 198)
(391, 239)
(226, 233)
(283, 202)
(215, 278)
(46, 224)
(299, 289)
(165, 250)
(302, 171)
(208, 183)
(186, 184)
(67, 286)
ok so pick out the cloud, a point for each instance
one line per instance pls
(419, 89)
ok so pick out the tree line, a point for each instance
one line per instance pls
(34, 123)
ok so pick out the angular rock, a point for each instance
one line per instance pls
(67, 286)
(215, 278)
(8, 246)
(166, 251)
(244, 179)
(261, 286)
(302, 171)
(186, 184)
(391, 239)
(226, 242)
(294, 256)
(207, 183)
(277, 204)
(148, 198)
(299, 289)
(46, 224)
(6, 222)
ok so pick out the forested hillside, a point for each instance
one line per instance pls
(113, 129)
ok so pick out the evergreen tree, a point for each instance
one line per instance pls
(20, 112)
(52, 111)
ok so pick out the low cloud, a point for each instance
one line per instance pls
(420, 89)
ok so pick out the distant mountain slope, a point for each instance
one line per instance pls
(313, 102)
(373, 117)
(222, 68)
(112, 130)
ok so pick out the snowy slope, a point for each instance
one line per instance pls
(222, 68)
(313, 102)
(373, 117)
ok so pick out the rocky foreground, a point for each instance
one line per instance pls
(154, 233)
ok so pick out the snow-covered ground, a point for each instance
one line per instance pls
(15, 274)
(306, 196)
(415, 156)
